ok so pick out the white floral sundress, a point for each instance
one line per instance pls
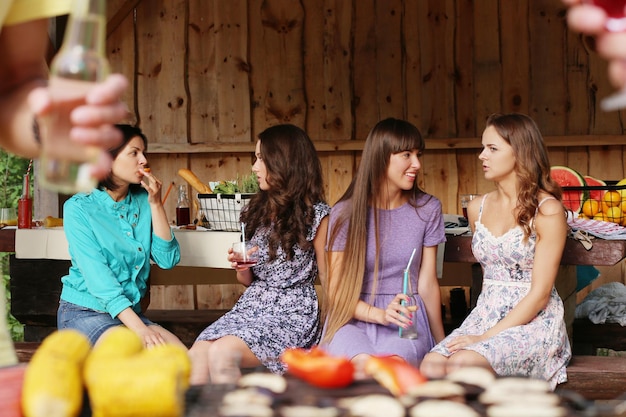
(538, 349)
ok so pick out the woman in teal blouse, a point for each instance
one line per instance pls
(113, 232)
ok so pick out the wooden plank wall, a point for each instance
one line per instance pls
(208, 75)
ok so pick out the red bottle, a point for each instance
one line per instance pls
(25, 206)
(182, 208)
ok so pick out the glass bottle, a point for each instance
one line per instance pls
(25, 206)
(183, 217)
(75, 70)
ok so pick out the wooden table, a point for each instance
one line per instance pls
(33, 275)
(603, 252)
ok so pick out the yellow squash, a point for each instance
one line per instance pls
(53, 385)
(124, 379)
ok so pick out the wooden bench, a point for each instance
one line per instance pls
(589, 337)
(596, 377)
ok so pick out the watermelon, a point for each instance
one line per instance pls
(594, 182)
(567, 177)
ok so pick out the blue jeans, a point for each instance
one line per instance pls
(90, 322)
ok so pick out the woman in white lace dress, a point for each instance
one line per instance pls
(519, 233)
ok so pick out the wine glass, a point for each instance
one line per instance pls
(616, 22)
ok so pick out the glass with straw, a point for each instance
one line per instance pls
(245, 256)
(407, 289)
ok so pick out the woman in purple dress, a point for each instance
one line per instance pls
(373, 230)
(287, 221)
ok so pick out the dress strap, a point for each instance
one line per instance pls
(542, 201)
(480, 211)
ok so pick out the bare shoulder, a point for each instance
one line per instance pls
(550, 206)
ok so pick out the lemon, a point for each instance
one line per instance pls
(591, 207)
(612, 198)
(622, 192)
(615, 215)
(601, 217)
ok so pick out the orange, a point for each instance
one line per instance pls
(612, 198)
(615, 215)
(591, 207)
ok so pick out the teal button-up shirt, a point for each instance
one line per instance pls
(110, 245)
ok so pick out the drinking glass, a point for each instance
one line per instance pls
(616, 22)
(411, 331)
(8, 216)
(465, 199)
(246, 254)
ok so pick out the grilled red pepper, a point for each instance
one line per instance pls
(318, 368)
(394, 373)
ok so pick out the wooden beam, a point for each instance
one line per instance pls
(120, 15)
(357, 145)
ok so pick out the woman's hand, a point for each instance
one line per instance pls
(150, 338)
(398, 314)
(153, 185)
(460, 342)
(591, 20)
(244, 274)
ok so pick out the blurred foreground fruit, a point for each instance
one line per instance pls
(318, 368)
(11, 381)
(123, 379)
(394, 373)
(53, 385)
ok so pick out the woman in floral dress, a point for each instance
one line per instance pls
(517, 326)
(287, 221)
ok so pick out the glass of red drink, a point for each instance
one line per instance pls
(246, 254)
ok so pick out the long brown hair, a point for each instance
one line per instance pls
(532, 165)
(388, 137)
(294, 176)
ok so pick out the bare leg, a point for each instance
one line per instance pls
(199, 354)
(226, 356)
(168, 336)
(467, 358)
(434, 365)
(359, 365)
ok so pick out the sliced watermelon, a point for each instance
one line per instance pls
(594, 182)
(567, 177)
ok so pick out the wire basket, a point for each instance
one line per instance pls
(611, 208)
(222, 210)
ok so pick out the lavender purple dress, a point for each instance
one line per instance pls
(401, 229)
(280, 308)
(538, 349)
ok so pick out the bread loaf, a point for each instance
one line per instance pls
(194, 181)
(52, 222)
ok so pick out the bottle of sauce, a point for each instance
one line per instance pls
(25, 206)
(183, 217)
(80, 64)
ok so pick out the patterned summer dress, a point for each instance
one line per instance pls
(538, 349)
(280, 308)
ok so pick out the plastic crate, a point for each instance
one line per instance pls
(222, 210)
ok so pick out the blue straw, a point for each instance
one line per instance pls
(405, 283)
